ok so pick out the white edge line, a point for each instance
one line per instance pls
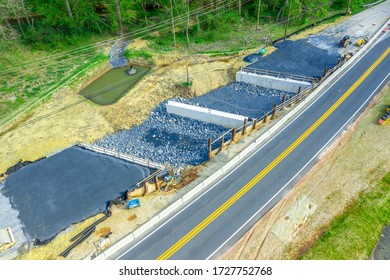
(298, 173)
(354, 62)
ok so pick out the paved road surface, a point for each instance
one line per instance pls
(212, 223)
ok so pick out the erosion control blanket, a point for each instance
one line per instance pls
(307, 57)
(66, 188)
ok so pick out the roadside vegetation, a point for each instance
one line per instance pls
(43, 44)
(354, 234)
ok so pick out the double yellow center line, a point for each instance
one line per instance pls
(172, 250)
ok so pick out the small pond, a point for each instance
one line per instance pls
(111, 86)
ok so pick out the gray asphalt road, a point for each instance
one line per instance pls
(206, 227)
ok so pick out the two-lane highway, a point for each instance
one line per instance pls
(207, 226)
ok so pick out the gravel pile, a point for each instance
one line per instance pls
(240, 98)
(117, 58)
(165, 138)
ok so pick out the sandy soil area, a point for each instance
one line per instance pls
(357, 160)
(67, 118)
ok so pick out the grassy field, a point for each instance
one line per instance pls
(354, 234)
(25, 85)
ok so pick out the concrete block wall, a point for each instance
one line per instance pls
(271, 82)
(224, 119)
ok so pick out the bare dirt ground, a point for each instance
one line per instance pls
(354, 163)
(67, 118)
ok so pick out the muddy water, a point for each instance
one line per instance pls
(111, 86)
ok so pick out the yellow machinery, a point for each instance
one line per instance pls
(361, 41)
(386, 117)
(345, 41)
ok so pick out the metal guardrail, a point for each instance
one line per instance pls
(280, 75)
(151, 176)
(134, 159)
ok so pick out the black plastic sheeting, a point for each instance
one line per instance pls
(300, 58)
(382, 249)
(66, 188)
(20, 164)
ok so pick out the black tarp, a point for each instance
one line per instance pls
(300, 57)
(66, 188)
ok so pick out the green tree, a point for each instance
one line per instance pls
(122, 13)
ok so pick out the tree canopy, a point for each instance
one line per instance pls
(35, 20)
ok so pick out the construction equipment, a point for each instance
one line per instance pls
(262, 51)
(386, 117)
(361, 41)
(345, 41)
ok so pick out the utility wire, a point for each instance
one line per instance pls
(145, 35)
(128, 35)
(99, 92)
(92, 94)
(147, 29)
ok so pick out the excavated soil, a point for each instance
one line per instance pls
(67, 118)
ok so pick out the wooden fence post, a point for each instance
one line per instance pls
(234, 131)
(209, 149)
(274, 112)
(283, 100)
(265, 120)
(244, 127)
(254, 124)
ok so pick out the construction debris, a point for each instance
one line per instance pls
(150, 188)
(137, 192)
(103, 243)
(7, 239)
(134, 203)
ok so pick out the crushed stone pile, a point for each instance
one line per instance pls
(117, 58)
(240, 98)
(165, 138)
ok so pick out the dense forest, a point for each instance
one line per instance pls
(33, 21)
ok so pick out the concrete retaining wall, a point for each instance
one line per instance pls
(271, 82)
(206, 115)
